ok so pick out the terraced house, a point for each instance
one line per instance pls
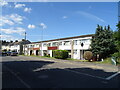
(75, 45)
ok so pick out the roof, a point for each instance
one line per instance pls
(20, 43)
(89, 35)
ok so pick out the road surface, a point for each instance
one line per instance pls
(34, 72)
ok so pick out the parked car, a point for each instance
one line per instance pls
(4, 54)
(8, 53)
(14, 53)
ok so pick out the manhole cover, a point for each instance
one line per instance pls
(43, 76)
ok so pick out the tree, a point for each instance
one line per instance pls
(116, 36)
(102, 42)
(11, 41)
(16, 40)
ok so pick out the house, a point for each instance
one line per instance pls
(18, 46)
(76, 46)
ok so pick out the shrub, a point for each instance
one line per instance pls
(117, 56)
(60, 54)
(88, 55)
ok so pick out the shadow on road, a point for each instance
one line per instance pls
(53, 78)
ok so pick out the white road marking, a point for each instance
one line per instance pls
(110, 77)
(85, 74)
(18, 78)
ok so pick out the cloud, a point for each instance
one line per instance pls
(43, 25)
(31, 26)
(27, 10)
(19, 5)
(11, 19)
(64, 17)
(16, 18)
(4, 21)
(3, 3)
(17, 30)
(90, 16)
(8, 37)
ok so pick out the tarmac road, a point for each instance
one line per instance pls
(34, 72)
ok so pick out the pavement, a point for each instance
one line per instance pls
(34, 72)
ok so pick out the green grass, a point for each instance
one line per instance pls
(105, 61)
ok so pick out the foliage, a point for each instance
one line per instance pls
(88, 55)
(60, 54)
(116, 36)
(102, 42)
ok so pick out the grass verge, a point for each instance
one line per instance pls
(105, 61)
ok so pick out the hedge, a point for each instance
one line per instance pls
(60, 54)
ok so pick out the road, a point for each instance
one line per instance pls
(34, 72)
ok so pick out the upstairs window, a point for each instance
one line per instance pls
(49, 44)
(54, 43)
(75, 42)
(44, 44)
(66, 43)
(60, 43)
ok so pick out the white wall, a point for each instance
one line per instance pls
(66, 47)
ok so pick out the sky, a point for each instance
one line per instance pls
(52, 20)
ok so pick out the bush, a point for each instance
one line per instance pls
(88, 55)
(117, 56)
(60, 54)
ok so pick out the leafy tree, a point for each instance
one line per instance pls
(102, 43)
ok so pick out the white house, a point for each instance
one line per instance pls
(75, 45)
(16, 46)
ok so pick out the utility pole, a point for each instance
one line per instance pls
(41, 43)
(24, 43)
(0, 43)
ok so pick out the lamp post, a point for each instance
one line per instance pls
(41, 41)
(24, 43)
(43, 27)
(0, 44)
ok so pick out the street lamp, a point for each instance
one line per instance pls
(43, 27)
(41, 41)
(24, 42)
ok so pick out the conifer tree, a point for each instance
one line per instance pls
(102, 42)
(116, 36)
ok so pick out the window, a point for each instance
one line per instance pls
(60, 43)
(66, 42)
(49, 44)
(75, 51)
(85, 41)
(37, 45)
(54, 43)
(44, 44)
(31, 46)
(75, 42)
